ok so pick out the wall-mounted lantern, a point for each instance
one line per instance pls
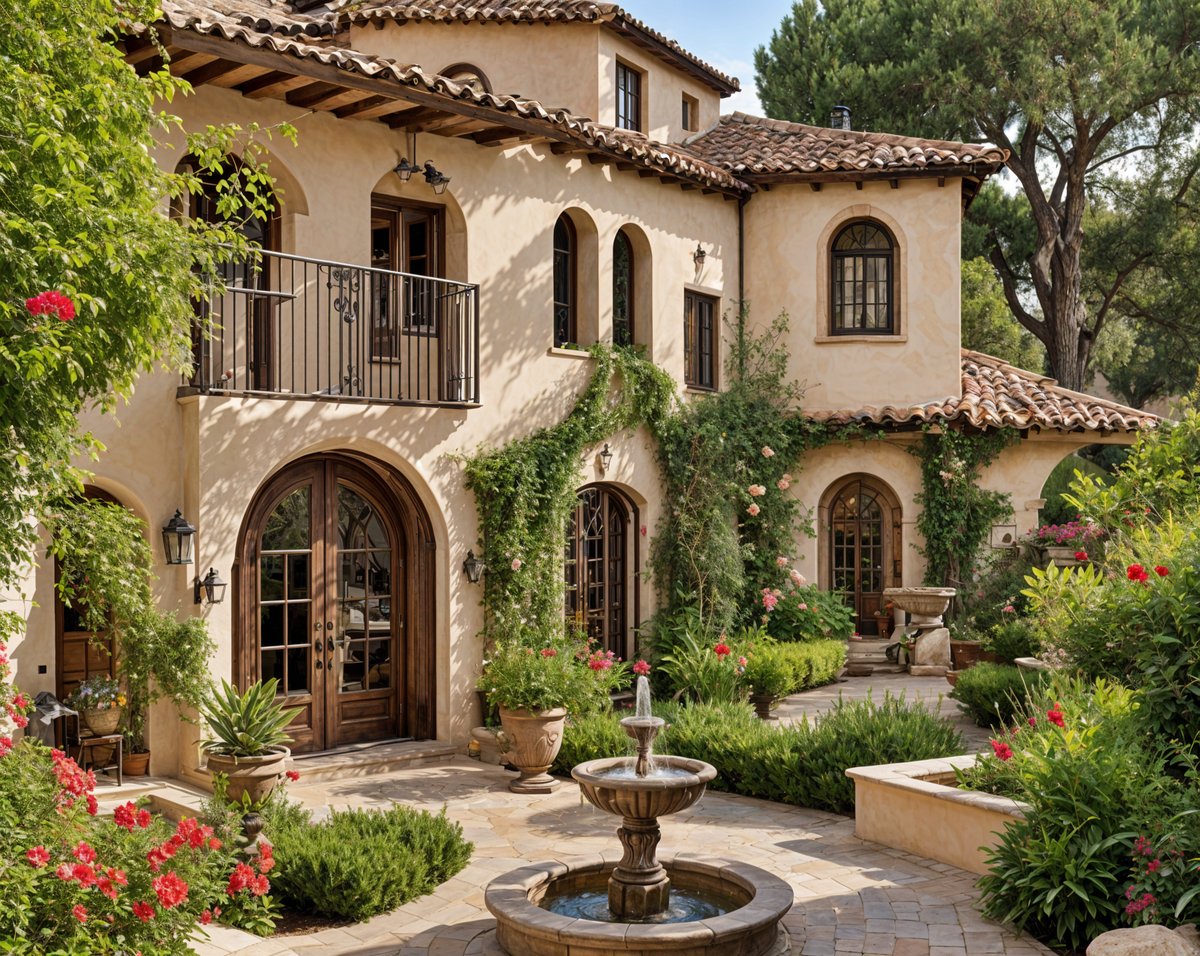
(699, 256)
(473, 567)
(177, 539)
(606, 457)
(211, 590)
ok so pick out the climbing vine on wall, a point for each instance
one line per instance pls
(525, 491)
(956, 514)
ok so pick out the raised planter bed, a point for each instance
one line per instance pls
(916, 807)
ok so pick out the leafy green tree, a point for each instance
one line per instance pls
(988, 325)
(1075, 89)
(82, 217)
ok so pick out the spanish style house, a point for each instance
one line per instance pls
(479, 192)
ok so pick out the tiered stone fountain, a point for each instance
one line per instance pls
(643, 904)
(931, 641)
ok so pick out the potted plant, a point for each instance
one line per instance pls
(536, 682)
(248, 746)
(885, 620)
(770, 677)
(100, 701)
(1067, 544)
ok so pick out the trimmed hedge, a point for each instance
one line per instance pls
(803, 764)
(813, 663)
(993, 695)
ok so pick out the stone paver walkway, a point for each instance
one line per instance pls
(851, 896)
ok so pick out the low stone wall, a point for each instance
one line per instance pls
(917, 807)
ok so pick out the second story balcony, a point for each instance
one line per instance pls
(293, 327)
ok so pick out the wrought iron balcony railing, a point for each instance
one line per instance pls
(294, 327)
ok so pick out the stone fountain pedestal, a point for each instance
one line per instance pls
(925, 608)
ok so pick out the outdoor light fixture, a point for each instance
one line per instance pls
(212, 588)
(606, 458)
(177, 539)
(473, 567)
(699, 255)
(404, 169)
(839, 117)
(438, 180)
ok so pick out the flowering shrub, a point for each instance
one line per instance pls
(711, 670)
(97, 693)
(14, 704)
(802, 612)
(1072, 534)
(555, 671)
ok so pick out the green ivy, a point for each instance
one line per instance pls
(956, 514)
(525, 491)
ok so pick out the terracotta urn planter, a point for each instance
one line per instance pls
(534, 739)
(136, 765)
(256, 776)
(762, 706)
(102, 722)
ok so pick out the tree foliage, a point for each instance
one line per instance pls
(988, 326)
(1076, 90)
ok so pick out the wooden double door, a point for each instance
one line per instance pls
(326, 605)
(864, 547)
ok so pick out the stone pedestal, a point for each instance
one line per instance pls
(931, 653)
(639, 886)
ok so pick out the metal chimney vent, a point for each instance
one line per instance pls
(839, 117)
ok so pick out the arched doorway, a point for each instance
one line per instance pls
(600, 568)
(335, 592)
(863, 551)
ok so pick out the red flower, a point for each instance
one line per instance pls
(170, 890)
(1081, 556)
(38, 857)
(261, 886)
(105, 886)
(549, 652)
(206, 917)
(51, 303)
(79, 911)
(84, 853)
(1002, 750)
(1055, 716)
(143, 911)
(1161, 571)
(641, 668)
(241, 877)
(1032, 721)
(84, 874)
(125, 816)
(266, 858)
(143, 818)
(214, 844)
(5, 746)
(65, 872)
(1135, 572)
(722, 650)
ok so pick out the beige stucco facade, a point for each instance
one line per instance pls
(210, 455)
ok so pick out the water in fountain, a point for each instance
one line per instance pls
(643, 727)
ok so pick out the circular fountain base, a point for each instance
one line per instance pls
(743, 906)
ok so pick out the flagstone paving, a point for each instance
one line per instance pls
(851, 896)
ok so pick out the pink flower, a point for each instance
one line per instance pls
(769, 600)
(1002, 750)
(1081, 556)
(1135, 572)
(1161, 571)
(783, 484)
(768, 452)
(1055, 716)
(641, 668)
(802, 606)
(516, 564)
(752, 510)
(1008, 609)
(549, 652)
(51, 303)
(643, 529)
(742, 662)
(798, 579)
(722, 650)
(1032, 721)
(38, 856)
(757, 491)
(781, 562)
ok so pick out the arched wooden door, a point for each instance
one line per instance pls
(598, 569)
(327, 606)
(863, 546)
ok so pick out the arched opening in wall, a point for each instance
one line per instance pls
(632, 303)
(79, 651)
(862, 547)
(1097, 461)
(601, 568)
(469, 75)
(335, 599)
(576, 265)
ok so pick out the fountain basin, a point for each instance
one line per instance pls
(524, 928)
(610, 785)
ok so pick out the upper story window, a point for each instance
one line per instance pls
(691, 114)
(565, 272)
(404, 238)
(622, 290)
(699, 340)
(629, 98)
(469, 75)
(862, 267)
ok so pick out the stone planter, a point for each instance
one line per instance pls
(534, 739)
(136, 765)
(255, 776)
(1063, 557)
(102, 722)
(952, 678)
(762, 706)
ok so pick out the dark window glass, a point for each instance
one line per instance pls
(622, 290)
(862, 266)
(404, 240)
(629, 98)
(564, 282)
(699, 340)
(596, 568)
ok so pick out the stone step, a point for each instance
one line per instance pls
(367, 759)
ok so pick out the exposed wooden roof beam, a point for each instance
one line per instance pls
(569, 149)
(499, 136)
(273, 84)
(240, 73)
(372, 107)
(328, 98)
(417, 114)
(465, 128)
(138, 51)
(435, 123)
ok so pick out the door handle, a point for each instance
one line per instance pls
(318, 646)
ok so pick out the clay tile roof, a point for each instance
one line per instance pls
(540, 11)
(752, 145)
(261, 24)
(996, 394)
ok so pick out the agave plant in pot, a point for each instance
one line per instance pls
(249, 740)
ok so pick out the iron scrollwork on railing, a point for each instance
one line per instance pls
(349, 281)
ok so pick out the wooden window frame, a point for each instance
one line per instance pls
(630, 97)
(837, 257)
(569, 334)
(696, 359)
(385, 340)
(690, 118)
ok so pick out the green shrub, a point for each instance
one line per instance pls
(707, 668)
(803, 612)
(769, 673)
(1057, 510)
(358, 863)
(1011, 639)
(993, 694)
(813, 664)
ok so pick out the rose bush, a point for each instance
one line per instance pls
(799, 611)
(541, 672)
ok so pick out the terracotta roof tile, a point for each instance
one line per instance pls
(535, 11)
(752, 145)
(259, 24)
(996, 394)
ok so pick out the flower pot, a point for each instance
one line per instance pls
(952, 678)
(534, 739)
(762, 706)
(966, 654)
(256, 776)
(136, 765)
(102, 722)
(1063, 557)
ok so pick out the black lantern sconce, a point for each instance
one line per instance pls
(438, 180)
(606, 457)
(699, 256)
(177, 539)
(406, 170)
(211, 589)
(473, 567)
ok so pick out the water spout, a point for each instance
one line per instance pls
(643, 697)
(643, 728)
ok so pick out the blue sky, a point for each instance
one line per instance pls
(722, 33)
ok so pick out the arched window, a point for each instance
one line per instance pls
(599, 570)
(622, 290)
(566, 265)
(863, 548)
(862, 266)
